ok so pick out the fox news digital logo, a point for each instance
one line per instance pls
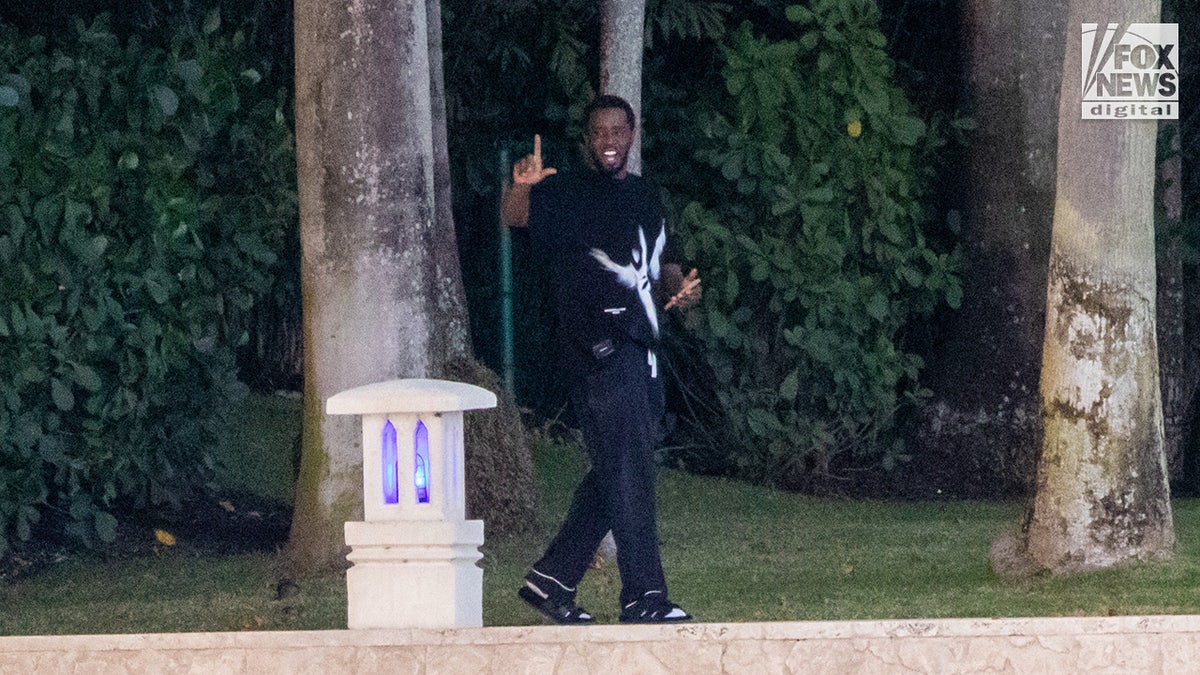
(1131, 71)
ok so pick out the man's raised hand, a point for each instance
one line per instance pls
(529, 170)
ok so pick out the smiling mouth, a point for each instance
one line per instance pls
(610, 161)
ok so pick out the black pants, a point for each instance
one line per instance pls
(619, 408)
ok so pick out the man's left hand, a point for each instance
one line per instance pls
(689, 292)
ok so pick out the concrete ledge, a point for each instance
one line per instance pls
(1145, 644)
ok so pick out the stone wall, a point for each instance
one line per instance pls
(1091, 644)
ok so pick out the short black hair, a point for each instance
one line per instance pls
(607, 101)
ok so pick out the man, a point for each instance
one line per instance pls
(601, 237)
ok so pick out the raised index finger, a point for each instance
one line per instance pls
(537, 147)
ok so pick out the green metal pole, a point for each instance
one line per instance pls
(506, 284)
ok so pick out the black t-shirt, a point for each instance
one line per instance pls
(603, 243)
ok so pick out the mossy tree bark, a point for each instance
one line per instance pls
(1102, 497)
(382, 293)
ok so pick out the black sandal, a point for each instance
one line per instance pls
(563, 613)
(653, 607)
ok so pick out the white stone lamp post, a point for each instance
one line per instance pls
(414, 556)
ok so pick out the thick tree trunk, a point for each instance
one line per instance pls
(1179, 356)
(1177, 364)
(1102, 496)
(622, 41)
(450, 298)
(383, 295)
(499, 456)
(981, 433)
(1176, 357)
(367, 211)
(622, 26)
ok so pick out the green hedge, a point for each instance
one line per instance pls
(817, 251)
(143, 189)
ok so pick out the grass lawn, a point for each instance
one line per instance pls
(735, 552)
(732, 552)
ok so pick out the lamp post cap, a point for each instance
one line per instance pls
(410, 396)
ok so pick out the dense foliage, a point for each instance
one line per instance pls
(144, 190)
(800, 177)
(817, 247)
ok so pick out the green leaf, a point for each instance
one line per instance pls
(251, 244)
(129, 161)
(889, 229)
(93, 251)
(158, 291)
(66, 125)
(212, 22)
(31, 374)
(878, 307)
(764, 421)
(76, 214)
(954, 296)
(81, 507)
(17, 82)
(718, 324)
(30, 514)
(61, 62)
(47, 212)
(820, 346)
(50, 448)
(167, 99)
(252, 75)
(86, 377)
(790, 386)
(873, 98)
(819, 195)
(9, 98)
(19, 324)
(799, 14)
(731, 287)
(731, 169)
(24, 532)
(908, 129)
(106, 526)
(190, 72)
(61, 394)
(760, 270)
(912, 275)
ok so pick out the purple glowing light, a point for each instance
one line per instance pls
(391, 466)
(421, 461)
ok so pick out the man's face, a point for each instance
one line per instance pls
(609, 138)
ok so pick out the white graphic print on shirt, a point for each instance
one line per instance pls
(639, 273)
